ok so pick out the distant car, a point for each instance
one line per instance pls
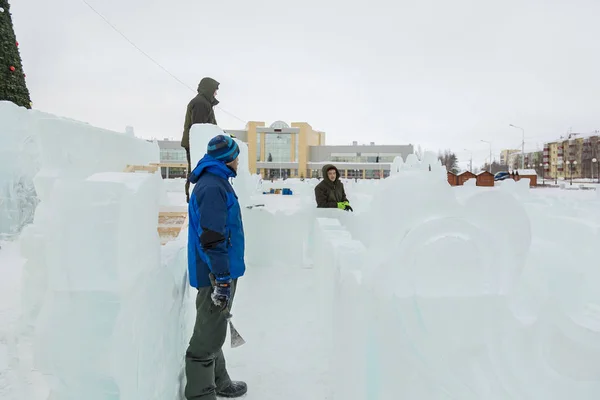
(500, 176)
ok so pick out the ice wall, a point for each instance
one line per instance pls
(73, 149)
(40, 146)
(437, 292)
(462, 293)
(113, 322)
(97, 293)
(19, 162)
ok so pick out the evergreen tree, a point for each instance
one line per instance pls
(12, 77)
(449, 160)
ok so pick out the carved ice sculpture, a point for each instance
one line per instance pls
(452, 298)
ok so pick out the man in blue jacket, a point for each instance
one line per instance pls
(215, 262)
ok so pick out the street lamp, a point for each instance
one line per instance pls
(555, 168)
(522, 145)
(595, 161)
(470, 161)
(570, 169)
(544, 168)
(490, 143)
(279, 137)
(573, 165)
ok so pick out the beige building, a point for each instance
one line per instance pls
(299, 151)
(279, 149)
(295, 151)
(573, 157)
(505, 156)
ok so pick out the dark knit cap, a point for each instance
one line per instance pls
(223, 148)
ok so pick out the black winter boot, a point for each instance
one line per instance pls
(235, 389)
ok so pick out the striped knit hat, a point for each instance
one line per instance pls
(223, 148)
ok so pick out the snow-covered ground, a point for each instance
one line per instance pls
(425, 292)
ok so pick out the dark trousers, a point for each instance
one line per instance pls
(205, 367)
(189, 171)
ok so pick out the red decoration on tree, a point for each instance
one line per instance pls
(17, 43)
(12, 68)
(24, 75)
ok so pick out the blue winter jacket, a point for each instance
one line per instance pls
(215, 232)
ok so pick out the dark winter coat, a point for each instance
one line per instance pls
(328, 193)
(200, 109)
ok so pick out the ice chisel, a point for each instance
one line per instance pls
(236, 339)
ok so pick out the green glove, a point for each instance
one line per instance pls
(342, 205)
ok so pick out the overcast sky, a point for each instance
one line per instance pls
(440, 73)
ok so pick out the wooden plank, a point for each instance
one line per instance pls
(145, 168)
(172, 214)
(170, 229)
(172, 165)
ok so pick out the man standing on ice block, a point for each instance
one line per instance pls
(215, 262)
(330, 193)
(199, 111)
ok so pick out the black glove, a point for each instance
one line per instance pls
(221, 293)
(348, 208)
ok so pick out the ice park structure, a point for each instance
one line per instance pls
(426, 291)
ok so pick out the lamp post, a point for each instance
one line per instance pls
(470, 160)
(573, 165)
(554, 166)
(543, 167)
(490, 143)
(522, 145)
(595, 161)
(570, 169)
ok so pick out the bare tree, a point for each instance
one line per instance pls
(496, 167)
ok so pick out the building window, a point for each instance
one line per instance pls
(278, 147)
(173, 172)
(358, 158)
(276, 173)
(172, 155)
(372, 174)
(354, 173)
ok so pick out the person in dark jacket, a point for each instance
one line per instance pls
(215, 262)
(199, 111)
(330, 193)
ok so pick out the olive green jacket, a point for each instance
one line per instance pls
(329, 193)
(200, 109)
